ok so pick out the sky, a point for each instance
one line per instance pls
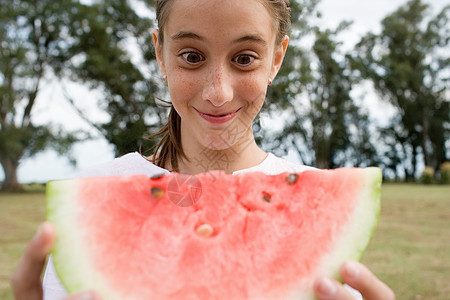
(48, 165)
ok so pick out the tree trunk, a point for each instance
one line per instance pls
(322, 160)
(10, 167)
(427, 145)
(414, 161)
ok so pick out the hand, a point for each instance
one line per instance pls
(358, 277)
(26, 279)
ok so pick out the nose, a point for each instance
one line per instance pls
(218, 88)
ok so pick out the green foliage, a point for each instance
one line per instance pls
(409, 63)
(31, 37)
(282, 96)
(445, 173)
(427, 175)
(112, 45)
(313, 90)
(105, 45)
(296, 65)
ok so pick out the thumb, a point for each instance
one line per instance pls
(86, 295)
(362, 279)
(26, 279)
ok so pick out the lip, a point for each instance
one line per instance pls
(218, 118)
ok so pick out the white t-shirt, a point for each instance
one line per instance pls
(135, 163)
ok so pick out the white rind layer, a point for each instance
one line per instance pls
(69, 243)
(361, 224)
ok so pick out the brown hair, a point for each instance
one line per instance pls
(169, 148)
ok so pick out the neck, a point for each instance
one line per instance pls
(244, 154)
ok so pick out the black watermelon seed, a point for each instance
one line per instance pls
(266, 197)
(158, 176)
(292, 178)
(157, 192)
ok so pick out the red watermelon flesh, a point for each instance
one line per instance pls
(210, 236)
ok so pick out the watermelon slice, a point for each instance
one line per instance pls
(210, 236)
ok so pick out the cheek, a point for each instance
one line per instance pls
(253, 89)
(182, 87)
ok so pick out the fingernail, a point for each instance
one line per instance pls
(326, 287)
(38, 232)
(352, 269)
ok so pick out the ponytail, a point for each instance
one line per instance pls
(168, 151)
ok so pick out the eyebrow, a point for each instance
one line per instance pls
(186, 35)
(251, 38)
(191, 35)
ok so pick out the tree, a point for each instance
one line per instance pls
(111, 50)
(409, 64)
(338, 132)
(322, 124)
(105, 45)
(28, 41)
(282, 96)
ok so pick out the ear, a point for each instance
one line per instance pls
(158, 51)
(278, 57)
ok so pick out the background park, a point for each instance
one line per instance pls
(382, 99)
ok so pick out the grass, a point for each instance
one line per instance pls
(20, 215)
(411, 246)
(410, 249)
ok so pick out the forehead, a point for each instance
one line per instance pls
(220, 19)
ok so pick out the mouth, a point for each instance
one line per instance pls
(219, 117)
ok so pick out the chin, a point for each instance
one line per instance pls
(217, 143)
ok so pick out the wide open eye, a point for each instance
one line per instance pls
(192, 57)
(244, 59)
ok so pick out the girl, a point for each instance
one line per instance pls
(218, 57)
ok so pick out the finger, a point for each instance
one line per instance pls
(33, 260)
(326, 289)
(362, 279)
(26, 279)
(88, 295)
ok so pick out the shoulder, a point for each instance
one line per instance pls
(275, 165)
(129, 164)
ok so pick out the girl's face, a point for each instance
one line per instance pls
(218, 56)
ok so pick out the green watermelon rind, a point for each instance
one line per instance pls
(68, 242)
(366, 217)
(367, 213)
